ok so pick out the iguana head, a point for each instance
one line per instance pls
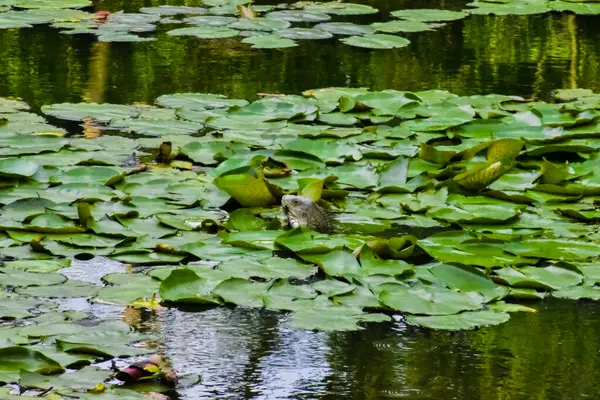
(301, 211)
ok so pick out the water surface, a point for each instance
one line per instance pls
(248, 353)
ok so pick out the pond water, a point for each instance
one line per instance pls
(247, 353)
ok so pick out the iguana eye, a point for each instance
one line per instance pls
(296, 202)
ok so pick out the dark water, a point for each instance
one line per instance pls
(242, 353)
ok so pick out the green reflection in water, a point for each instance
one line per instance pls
(527, 56)
(552, 354)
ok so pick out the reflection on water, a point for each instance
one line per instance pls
(247, 353)
(521, 55)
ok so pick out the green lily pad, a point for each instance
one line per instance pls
(345, 28)
(298, 16)
(376, 41)
(429, 300)
(17, 168)
(204, 32)
(427, 15)
(462, 321)
(269, 42)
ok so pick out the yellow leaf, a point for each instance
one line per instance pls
(504, 149)
(246, 12)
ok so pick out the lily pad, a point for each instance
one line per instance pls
(376, 41)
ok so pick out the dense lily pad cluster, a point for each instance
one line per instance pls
(262, 26)
(449, 210)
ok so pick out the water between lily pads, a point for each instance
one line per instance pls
(248, 353)
(251, 353)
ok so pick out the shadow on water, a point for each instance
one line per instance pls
(248, 353)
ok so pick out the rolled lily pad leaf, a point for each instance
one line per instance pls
(81, 111)
(345, 28)
(17, 168)
(554, 248)
(462, 321)
(298, 16)
(551, 277)
(377, 41)
(404, 26)
(504, 149)
(242, 292)
(480, 177)
(426, 15)
(204, 32)
(334, 319)
(16, 358)
(303, 33)
(269, 42)
(248, 190)
(336, 8)
(429, 300)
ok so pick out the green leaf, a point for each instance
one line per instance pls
(184, 285)
(376, 41)
(269, 42)
(465, 320)
(242, 292)
(430, 300)
(17, 168)
(429, 15)
(334, 319)
(14, 359)
(204, 32)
